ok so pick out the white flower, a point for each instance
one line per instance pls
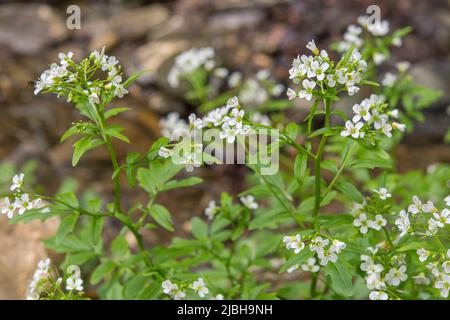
(429, 207)
(399, 126)
(397, 41)
(442, 218)
(378, 58)
(423, 254)
(178, 295)
(403, 223)
(168, 287)
(249, 202)
(294, 242)
(386, 128)
(235, 79)
(378, 223)
(308, 85)
(319, 69)
(351, 90)
(218, 297)
(8, 208)
(65, 58)
(337, 246)
(396, 275)
(433, 269)
(421, 279)
(312, 46)
(23, 203)
(325, 256)
(402, 66)
(310, 265)
(378, 28)
(352, 129)
(443, 284)
(362, 223)
(447, 201)
(378, 295)
(432, 227)
(211, 210)
(221, 73)
(318, 244)
(389, 79)
(361, 112)
(291, 94)
(446, 266)
(17, 182)
(416, 207)
(383, 193)
(293, 268)
(74, 283)
(194, 122)
(172, 126)
(200, 287)
(164, 152)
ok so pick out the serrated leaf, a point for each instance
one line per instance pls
(82, 146)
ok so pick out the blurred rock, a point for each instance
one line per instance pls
(29, 28)
(22, 248)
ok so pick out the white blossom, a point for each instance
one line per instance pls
(310, 265)
(396, 275)
(200, 287)
(378, 223)
(423, 254)
(383, 193)
(403, 223)
(352, 129)
(378, 295)
(211, 210)
(249, 202)
(294, 242)
(17, 182)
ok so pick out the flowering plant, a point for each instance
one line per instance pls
(387, 239)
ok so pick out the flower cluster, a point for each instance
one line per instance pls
(72, 80)
(371, 116)
(177, 291)
(326, 250)
(419, 214)
(229, 118)
(258, 90)
(190, 61)
(40, 277)
(46, 284)
(383, 272)
(439, 270)
(318, 71)
(367, 215)
(22, 201)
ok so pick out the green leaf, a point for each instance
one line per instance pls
(300, 166)
(350, 191)
(161, 216)
(70, 132)
(102, 270)
(199, 228)
(96, 229)
(115, 132)
(119, 246)
(291, 130)
(415, 246)
(67, 225)
(133, 78)
(324, 132)
(370, 163)
(114, 111)
(188, 182)
(370, 83)
(82, 146)
(299, 258)
(341, 277)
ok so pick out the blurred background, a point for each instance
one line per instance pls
(248, 35)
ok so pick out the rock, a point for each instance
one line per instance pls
(135, 23)
(29, 28)
(22, 248)
(235, 20)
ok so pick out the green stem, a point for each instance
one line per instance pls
(318, 159)
(341, 169)
(313, 286)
